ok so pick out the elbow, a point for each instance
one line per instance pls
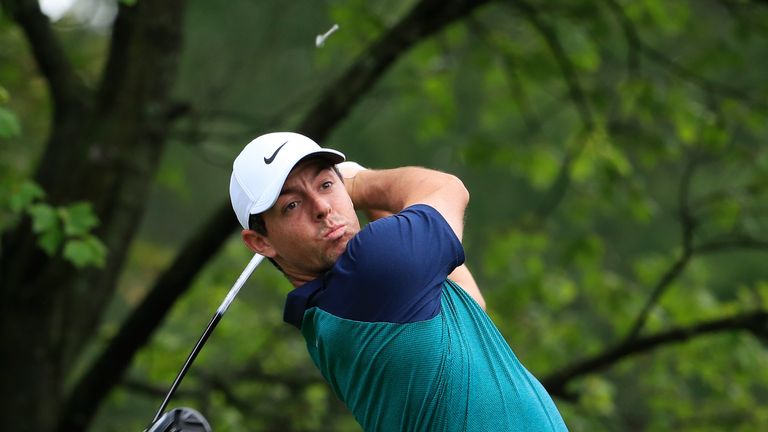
(459, 190)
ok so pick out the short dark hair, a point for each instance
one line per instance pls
(256, 223)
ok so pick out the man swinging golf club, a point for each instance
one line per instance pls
(391, 316)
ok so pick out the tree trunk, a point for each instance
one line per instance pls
(104, 148)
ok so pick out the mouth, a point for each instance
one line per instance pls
(335, 232)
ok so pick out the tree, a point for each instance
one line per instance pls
(628, 137)
(103, 145)
(110, 138)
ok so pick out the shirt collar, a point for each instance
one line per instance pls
(298, 301)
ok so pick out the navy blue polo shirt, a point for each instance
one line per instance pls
(407, 349)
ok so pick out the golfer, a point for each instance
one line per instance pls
(391, 316)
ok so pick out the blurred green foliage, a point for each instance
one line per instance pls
(60, 229)
(613, 150)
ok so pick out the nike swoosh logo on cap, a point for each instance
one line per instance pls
(272, 158)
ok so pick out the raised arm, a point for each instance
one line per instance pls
(393, 190)
(382, 193)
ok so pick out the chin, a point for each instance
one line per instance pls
(344, 241)
(335, 253)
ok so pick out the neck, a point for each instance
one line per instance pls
(298, 281)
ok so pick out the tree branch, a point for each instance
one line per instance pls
(636, 44)
(687, 227)
(115, 67)
(208, 382)
(557, 190)
(561, 57)
(64, 84)
(693, 77)
(425, 19)
(508, 64)
(96, 383)
(553, 196)
(154, 391)
(428, 17)
(295, 380)
(726, 244)
(557, 382)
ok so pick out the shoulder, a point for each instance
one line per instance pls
(418, 219)
(393, 269)
(402, 241)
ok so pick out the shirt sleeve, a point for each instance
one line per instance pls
(393, 269)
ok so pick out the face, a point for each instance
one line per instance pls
(310, 225)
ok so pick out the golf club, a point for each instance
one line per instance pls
(180, 419)
(187, 419)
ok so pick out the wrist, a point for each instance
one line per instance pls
(349, 169)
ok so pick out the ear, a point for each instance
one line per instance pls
(258, 243)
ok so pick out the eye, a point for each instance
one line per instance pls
(290, 206)
(327, 184)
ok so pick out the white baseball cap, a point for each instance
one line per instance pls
(260, 170)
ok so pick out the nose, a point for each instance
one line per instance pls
(322, 207)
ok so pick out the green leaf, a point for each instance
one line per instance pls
(583, 167)
(597, 395)
(581, 50)
(714, 136)
(4, 95)
(85, 251)
(599, 153)
(78, 252)
(24, 196)
(726, 213)
(171, 175)
(543, 167)
(45, 222)
(649, 269)
(9, 124)
(558, 290)
(78, 218)
(44, 218)
(616, 159)
(50, 240)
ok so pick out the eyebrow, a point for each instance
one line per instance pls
(289, 190)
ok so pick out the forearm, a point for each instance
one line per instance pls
(381, 193)
(389, 190)
(393, 190)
